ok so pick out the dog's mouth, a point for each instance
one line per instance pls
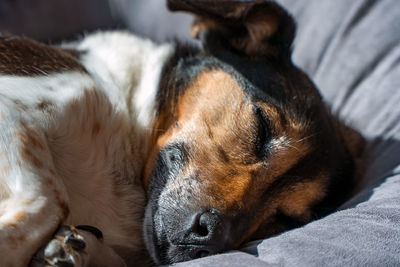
(187, 237)
(161, 249)
(155, 242)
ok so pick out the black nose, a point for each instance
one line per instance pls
(209, 232)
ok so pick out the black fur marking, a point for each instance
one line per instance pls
(26, 57)
(289, 222)
(168, 164)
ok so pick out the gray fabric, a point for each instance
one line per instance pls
(151, 18)
(64, 19)
(56, 20)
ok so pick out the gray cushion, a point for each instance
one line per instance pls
(56, 20)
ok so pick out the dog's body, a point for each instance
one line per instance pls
(231, 142)
(73, 140)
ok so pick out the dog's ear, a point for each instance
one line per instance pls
(254, 28)
(353, 140)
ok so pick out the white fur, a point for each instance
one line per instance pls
(133, 65)
(94, 135)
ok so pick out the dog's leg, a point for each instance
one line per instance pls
(33, 201)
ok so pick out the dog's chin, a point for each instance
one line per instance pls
(156, 243)
(150, 236)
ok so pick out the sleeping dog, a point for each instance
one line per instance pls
(231, 142)
(243, 146)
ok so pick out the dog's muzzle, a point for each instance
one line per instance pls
(180, 235)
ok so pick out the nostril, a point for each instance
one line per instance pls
(201, 228)
(205, 224)
(201, 224)
(207, 234)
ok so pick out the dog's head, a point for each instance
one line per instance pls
(243, 146)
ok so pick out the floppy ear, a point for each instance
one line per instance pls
(353, 140)
(253, 28)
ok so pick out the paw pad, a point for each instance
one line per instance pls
(61, 249)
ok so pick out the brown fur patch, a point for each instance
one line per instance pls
(261, 25)
(29, 137)
(355, 143)
(30, 140)
(297, 200)
(201, 25)
(12, 242)
(21, 238)
(10, 224)
(60, 203)
(28, 156)
(21, 215)
(25, 57)
(96, 128)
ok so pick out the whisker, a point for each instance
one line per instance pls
(288, 145)
(307, 137)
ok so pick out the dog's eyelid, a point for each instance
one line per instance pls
(262, 118)
(263, 132)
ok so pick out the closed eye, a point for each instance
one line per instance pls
(263, 133)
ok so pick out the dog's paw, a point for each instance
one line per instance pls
(65, 249)
(77, 246)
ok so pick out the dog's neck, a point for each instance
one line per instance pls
(133, 66)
